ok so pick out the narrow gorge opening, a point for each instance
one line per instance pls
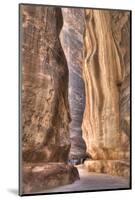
(105, 73)
(71, 38)
(58, 45)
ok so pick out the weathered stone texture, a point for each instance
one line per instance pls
(45, 109)
(39, 177)
(106, 72)
(113, 167)
(72, 43)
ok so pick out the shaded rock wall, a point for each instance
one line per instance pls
(45, 109)
(106, 122)
(72, 43)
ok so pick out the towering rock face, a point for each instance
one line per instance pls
(45, 107)
(72, 43)
(106, 122)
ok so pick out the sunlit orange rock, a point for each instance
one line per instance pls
(106, 72)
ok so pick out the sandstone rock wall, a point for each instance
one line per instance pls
(72, 43)
(44, 98)
(106, 122)
(45, 109)
(103, 56)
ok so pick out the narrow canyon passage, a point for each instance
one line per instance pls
(96, 46)
(71, 38)
(75, 99)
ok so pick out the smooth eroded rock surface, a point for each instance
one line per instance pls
(106, 72)
(42, 176)
(95, 77)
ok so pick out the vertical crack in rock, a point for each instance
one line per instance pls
(45, 109)
(106, 72)
(72, 41)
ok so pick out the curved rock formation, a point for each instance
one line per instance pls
(106, 122)
(72, 43)
(97, 49)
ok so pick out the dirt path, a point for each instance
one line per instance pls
(92, 181)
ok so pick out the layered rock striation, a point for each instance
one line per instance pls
(95, 77)
(45, 109)
(106, 72)
(72, 42)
